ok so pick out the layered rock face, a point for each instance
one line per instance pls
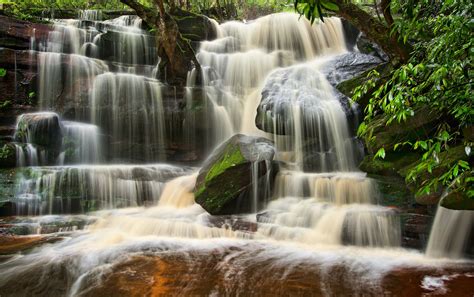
(28, 83)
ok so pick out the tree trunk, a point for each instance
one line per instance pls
(374, 30)
(176, 52)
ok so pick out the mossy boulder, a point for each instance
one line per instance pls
(393, 164)
(457, 201)
(423, 123)
(225, 182)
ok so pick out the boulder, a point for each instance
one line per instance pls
(457, 201)
(347, 66)
(225, 182)
(289, 93)
(41, 128)
(420, 125)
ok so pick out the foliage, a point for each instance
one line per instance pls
(5, 105)
(31, 9)
(6, 151)
(314, 9)
(439, 75)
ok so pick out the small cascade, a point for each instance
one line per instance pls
(130, 109)
(450, 233)
(81, 142)
(83, 188)
(26, 155)
(90, 15)
(302, 106)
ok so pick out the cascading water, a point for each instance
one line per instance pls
(450, 233)
(104, 73)
(323, 211)
(247, 60)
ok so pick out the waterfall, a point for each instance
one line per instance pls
(96, 153)
(450, 233)
(281, 58)
(83, 142)
(82, 188)
(235, 65)
(129, 107)
(104, 72)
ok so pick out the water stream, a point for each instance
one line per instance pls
(106, 111)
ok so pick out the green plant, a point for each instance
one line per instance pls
(5, 105)
(438, 75)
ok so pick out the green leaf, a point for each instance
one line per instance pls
(380, 153)
(330, 5)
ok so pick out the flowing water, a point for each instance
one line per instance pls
(323, 210)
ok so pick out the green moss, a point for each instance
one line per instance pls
(393, 164)
(232, 157)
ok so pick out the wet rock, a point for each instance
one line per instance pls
(292, 95)
(14, 244)
(16, 34)
(232, 223)
(224, 184)
(42, 128)
(348, 66)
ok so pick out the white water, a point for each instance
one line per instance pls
(329, 217)
(104, 72)
(84, 141)
(450, 233)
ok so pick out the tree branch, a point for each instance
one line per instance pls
(143, 12)
(373, 29)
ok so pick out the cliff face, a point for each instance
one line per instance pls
(18, 85)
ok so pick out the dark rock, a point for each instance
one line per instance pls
(348, 66)
(232, 223)
(224, 184)
(365, 46)
(391, 165)
(457, 201)
(42, 128)
(287, 89)
(16, 34)
(194, 27)
(419, 126)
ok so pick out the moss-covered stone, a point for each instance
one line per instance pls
(225, 180)
(348, 86)
(393, 164)
(419, 126)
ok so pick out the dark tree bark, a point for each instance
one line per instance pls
(178, 57)
(374, 29)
